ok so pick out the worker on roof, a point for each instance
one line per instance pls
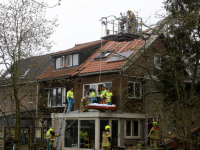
(70, 98)
(106, 138)
(92, 96)
(133, 22)
(84, 101)
(154, 135)
(103, 95)
(47, 137)
(52, 137)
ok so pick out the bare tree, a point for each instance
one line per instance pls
(24, 32)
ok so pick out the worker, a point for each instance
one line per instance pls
(106, 138)
(52, 137)
(84, 101)
(109, 95)
(92, 96)
(103, 95)
(133, 22)
(47, 138)
(154, 135)
(70, 98)
(83, 136)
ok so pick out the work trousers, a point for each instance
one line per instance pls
(154, 143)
(47, 144)
(70, 103)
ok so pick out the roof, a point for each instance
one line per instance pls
(29, 69)
(78, 47)
(91, 66)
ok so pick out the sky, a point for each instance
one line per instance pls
(79, 19)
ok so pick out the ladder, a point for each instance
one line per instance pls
(62, 127)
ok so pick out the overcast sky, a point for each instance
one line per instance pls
(79, 19)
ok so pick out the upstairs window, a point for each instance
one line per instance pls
(67, 61)
(134, 90)
(96, 87)
(157, 61)
(56, 97)
(103, 55)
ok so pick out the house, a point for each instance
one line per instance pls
(29, 70)
(116, 65)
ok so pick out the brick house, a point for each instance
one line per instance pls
(29, 70)
(118, 65)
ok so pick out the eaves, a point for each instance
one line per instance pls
(56, 78)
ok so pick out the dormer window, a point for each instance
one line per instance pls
(67, 61)
(103, 55)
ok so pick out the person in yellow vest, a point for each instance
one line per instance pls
(52, 137)
(92, 96)
(70, 98)
(47, 137)
(83, 136)
(106, 138)
(133, 22)
(103, 95)
(109, 95)
(154, 135)
(84, 101)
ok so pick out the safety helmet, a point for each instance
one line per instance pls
(154, 123)
(128, 11)
(50, 129)
(107, 127)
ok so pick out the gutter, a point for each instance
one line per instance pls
(63, 77)
(102, 72)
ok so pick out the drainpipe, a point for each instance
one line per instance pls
(143, 103)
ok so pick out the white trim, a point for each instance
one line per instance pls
(134, 90)
(67, 60)
(132, 137)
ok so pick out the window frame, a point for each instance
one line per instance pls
(125, 129)
(134, 90)
(103, 55)
(97, 84)
(157, 63)
(50, 102)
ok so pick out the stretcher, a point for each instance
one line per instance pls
(101, 106)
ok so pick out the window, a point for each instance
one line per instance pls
(157, 61)
(96, 87)
(69, 60)
(58, 63)
(134, 90)
(75, 59)
(103, 54)
(56, 97)
(132, 129)
(23, 76)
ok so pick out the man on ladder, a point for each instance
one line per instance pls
(70, 98)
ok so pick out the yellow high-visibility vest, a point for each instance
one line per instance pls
(92, 94)
(103, 93)
(108, 96)
(47, 134)
(70, 94)
(83, 134)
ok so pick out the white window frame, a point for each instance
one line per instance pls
(74, 60)
(67, 57)
(96, 87)
(132, 136)
(62, 96)
(158, 58)
(57, 62)
(62, 62)
(134, 90)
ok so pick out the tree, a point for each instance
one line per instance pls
(24, 33)
(176, 67)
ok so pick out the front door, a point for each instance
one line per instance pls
(115, 132)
